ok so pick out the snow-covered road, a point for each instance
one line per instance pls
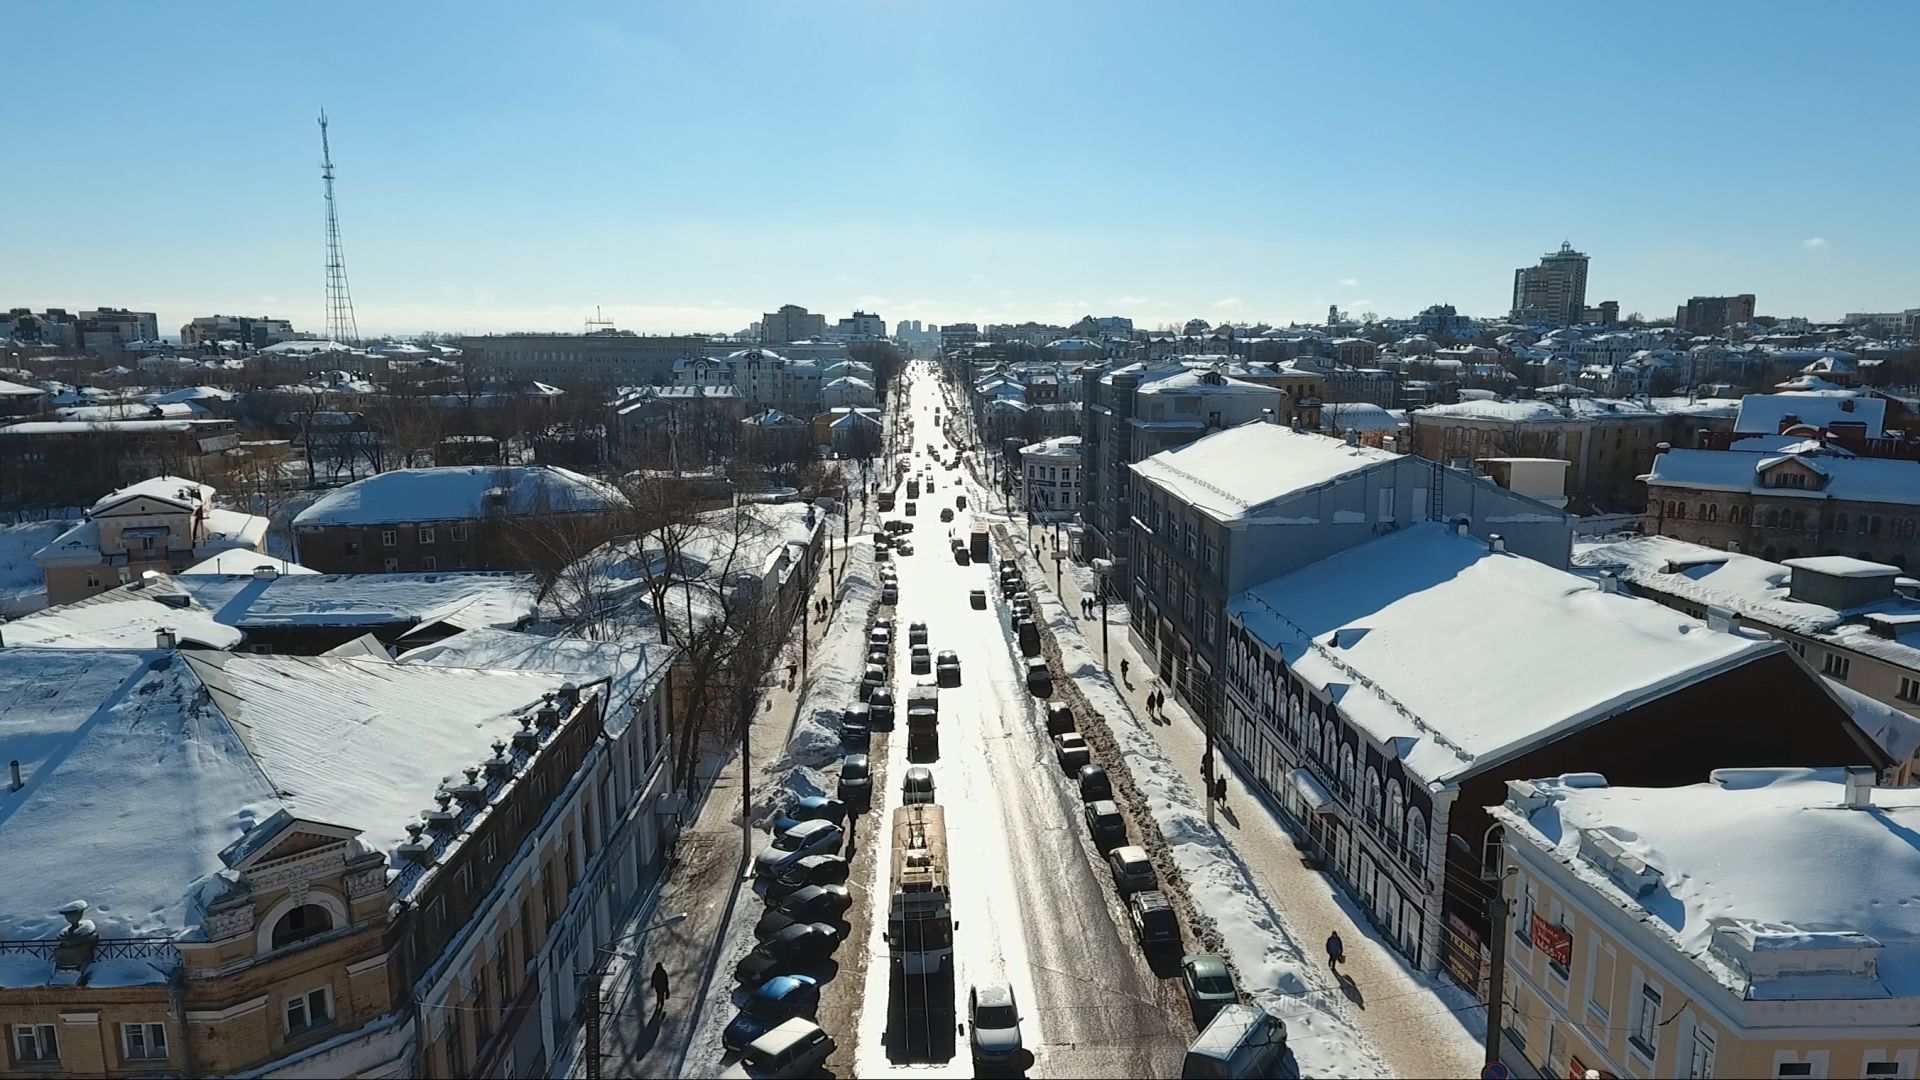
(1031, 903)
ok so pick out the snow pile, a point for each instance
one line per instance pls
(1271, 964)
(22, 587)
(832, 683)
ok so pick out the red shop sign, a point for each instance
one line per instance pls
(1555, 941)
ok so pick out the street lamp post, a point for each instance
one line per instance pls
(591, 1005)
(1101, 568)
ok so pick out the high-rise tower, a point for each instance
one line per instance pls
(1553, 293)
(340, 324)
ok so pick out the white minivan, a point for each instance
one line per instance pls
(1240, 1041)
(796, 1048)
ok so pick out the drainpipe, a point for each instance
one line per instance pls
(177, 995)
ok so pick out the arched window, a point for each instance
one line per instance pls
(1313, 738)
(1416, 840)
(1680, 511)
(1773, 517)
(301, 923)
(1346, 772)
(1701, 512)
(1873, 525)
(1372, 796)
(1840, 522)
(1713, 512)
(1395, 815)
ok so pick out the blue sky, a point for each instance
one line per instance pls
(688, 165)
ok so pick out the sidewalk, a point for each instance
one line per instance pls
(704, 885)
(1423, 1026)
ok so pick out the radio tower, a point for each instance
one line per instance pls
(340, 324)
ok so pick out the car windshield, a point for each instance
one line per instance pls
(1213, 984)
(789, 841)
(995, 1016)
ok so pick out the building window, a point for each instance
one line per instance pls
(1416, 840)
(1209, 554)
(1909, 689)
(1646, 1022)
(93, 581)
(35, 1043)
(144, 1042)
(303, 922)
(1882, 1068)
(391, 565)
(389, 538)
(1700, 1055)
(1792, 1068)
(429, 563)
(1835, 666)
(309, 1011)
(459, 533)
(489, 850)
(426, 536)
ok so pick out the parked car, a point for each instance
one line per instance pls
(881, 554)
(993, 1024)
(946, 513)
(1105, 823)
(795, 1048)
(1209, 985)
(1072, 751)
(880, 708)
(889, 593)
(1132, 870)
(780, 998)
(771, 922)
(922, 660)
(796, 946)
(792, 845)
(961, 556)
(960, 501)
(880, 637)
(1059, 718)
(874, 678)
(917, 786)
(917, 633)
(1240, 1040)
(814, 903)
(856, 724)
(878, 656)
(913, 508)
(905, 547)
(811, 808)
(1028, 634)
(977, 598)
(947, 668)
(856, 781)
(1094, 783)
(812, 870)
(1154, 922)
(1039, 677)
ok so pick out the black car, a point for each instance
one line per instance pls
(880, 709)
(794, 946)
(856, 724)
(812, 870)
(1094, 783)
(1105, 824)
(814, 903)
(1059, 718)
(856, 781)
(1154, 922)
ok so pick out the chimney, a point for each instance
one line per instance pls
(1733, 546)
(265, 573)
(1460, 463)
(165, 638)
(1269, 416)
(1460, 526)
(569, 696)
(14, 782)
(1496, 542)
(1609, 582)
(1860, 784)
(1722, 619)
(1353, 437)
(1661, 448)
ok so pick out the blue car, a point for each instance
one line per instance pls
(811, 808)
(780, 998)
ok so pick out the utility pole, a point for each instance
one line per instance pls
(592, 1007)
(1497, 978)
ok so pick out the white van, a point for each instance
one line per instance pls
(1241, 1041)
(796, 1048)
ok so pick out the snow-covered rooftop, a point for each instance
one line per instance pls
(1765, 854)
(178, 490)
(1360, 416)
(1849, 478)
(632, 668)
(125, 618)
(465, 598)
(1200, 381)
(458, 493)
(81, 427)
(1765, 413)
(1399, 626)
(1234, 471)
(1059, 445)
(243, 561)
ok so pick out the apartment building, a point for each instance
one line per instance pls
(1050, 477)
(764, 379)
(1382, 696)
(792, 323)
(1713, 314)
(1720, 929)
(602, 358)
(283, 906)
(165, 524)
(69, 462)
(1553, 293)
(252, 331)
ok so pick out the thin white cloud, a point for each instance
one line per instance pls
(1815, 244)
(1229, 302)
(1348, 282)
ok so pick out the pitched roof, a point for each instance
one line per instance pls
(1232, 472)
(1854, 479)
(457, 493)
(1764, 413)
(1397, 625)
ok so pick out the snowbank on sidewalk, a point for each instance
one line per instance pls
(1274, 967)
(831, 682)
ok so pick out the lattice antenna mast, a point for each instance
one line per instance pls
(340, 323)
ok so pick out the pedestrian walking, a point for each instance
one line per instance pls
(793, 672)
(659, 987)
(1123, 669)
(1220, 790)
(1336, 951)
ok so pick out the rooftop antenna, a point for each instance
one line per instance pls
(340, 323)
(598, 322)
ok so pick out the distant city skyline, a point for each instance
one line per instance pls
(687, 168)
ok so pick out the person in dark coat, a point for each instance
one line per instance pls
(659, 987)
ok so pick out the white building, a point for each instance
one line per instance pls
(1050, 477)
